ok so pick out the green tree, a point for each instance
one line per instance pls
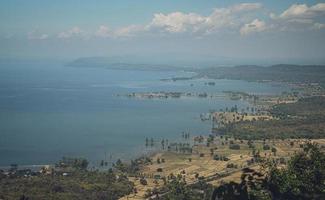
(274, 151)
(303, 178)
(178, 190)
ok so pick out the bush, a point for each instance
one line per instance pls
(231, 165)
(143, 181)
(234, 146)
(221, 158)
(266, 147)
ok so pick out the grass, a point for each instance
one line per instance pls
(206, 166)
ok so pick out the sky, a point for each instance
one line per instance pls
(221, 31)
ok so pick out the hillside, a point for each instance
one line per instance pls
(120, 64)
(285, 73)
(303, 119)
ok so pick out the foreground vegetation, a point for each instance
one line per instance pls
(71, 181)
(302, 178)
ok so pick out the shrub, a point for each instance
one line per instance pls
(266, 147)
(234, 146)
(143, 181)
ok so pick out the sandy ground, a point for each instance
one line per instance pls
(206, 166)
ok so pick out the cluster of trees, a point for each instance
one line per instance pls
(80, 183)
(149, 142)
(232, 109)
(75, 163)
(232, 165)
(286, 73)
(234, 146)
(220, 157)
(133, 167)
(176, 188)
(164, 143)
(303, 119)
(180, 147)
(198, 139)
(186, 135)
(302, 178)
(305, 107)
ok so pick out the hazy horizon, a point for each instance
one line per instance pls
(162, 99)
(214, 32)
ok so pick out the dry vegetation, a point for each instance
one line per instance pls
(201, 165)
(230, 117)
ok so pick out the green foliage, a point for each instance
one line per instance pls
(311, 106)
(75, 163)
(80, 184)
(286, 73)
(234, 146)
(133, 167)
(220, 157)
(178, 190)
(266, 147)
(143, 181)
(303, 119)
(231, 191)
(302, 178)
(231, 165)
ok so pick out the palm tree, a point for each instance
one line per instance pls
(147, 142)
(151, 142)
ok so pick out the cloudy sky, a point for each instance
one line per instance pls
(262, 31)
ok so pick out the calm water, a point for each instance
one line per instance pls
(48, 111)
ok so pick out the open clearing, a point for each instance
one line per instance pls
(202, 163)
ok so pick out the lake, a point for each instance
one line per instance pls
(49, 110)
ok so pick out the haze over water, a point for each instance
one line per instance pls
(49, 110)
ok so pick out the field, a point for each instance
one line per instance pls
(201, 164)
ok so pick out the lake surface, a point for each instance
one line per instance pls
(49, 110)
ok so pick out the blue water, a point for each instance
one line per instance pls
(48, 111)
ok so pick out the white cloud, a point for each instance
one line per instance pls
(178, 22)
(296, 10)
(73, 32)
(299, 17)
(246, 7)
(34, 35)
(103, 31)
(255, 26)
(128, 31)
(301, 11)
(318, 26)
(43, 37)
(243, 19)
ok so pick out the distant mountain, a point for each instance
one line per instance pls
(281, 72)
(121, 64)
